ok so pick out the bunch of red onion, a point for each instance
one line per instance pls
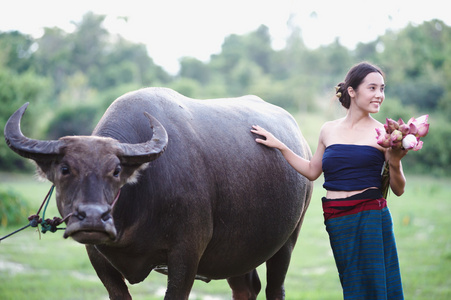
(402, 135)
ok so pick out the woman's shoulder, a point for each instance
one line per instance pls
(328, 130)
(332, 127)
(376, 122)
(331, 124)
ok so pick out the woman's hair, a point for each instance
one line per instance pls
(353, 79)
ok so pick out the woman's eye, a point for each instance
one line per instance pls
(117, 171)
(65, 170)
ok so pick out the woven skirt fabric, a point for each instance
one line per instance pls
(361, 235)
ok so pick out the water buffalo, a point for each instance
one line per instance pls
(178, 185)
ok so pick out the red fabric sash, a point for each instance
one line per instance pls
(338, 208)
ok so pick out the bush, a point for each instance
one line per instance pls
(435, 156)
(13, 209)
(72, 121)
(15, 90)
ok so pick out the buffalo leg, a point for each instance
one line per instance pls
(182, 269)
(111, 278)
(277, 267)
(245, 287)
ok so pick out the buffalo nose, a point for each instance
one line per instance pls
(93, 212)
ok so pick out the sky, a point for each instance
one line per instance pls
(172, 29)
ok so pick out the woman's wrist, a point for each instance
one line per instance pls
(395, 164)
(282, 147)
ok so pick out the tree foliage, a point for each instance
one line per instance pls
(15, 90)
(70, 78)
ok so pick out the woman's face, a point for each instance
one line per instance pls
(370, 93)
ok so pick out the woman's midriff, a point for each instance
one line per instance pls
(344, 194)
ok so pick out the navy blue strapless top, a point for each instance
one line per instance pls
(352, 167)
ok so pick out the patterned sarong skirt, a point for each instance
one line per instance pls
(361, 235)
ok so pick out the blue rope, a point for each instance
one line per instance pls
(47, 201)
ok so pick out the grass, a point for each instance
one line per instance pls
(34, 267)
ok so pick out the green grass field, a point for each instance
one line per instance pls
(48, 266)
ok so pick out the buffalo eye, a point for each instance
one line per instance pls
(117, 170)
(65, 170)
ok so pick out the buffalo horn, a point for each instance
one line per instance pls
(148, 151)
(26, 147)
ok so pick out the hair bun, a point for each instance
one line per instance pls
(338, 90)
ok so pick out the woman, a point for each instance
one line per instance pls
(356, 215)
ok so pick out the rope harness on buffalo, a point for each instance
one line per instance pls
(46, 224)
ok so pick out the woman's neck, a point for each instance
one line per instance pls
(355, 118)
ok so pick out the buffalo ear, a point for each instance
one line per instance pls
(42, 171)
(134, 173)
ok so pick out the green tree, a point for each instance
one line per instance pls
(413, 60)
(195, 69)
(53, 58)
(69, 120)
(125, 63)
(259, 49)
(15, 90)
(16, 51)
(90, 50)
(445, 102)
(242, 59)
(289, 60)
(434, 157)
(89, 41)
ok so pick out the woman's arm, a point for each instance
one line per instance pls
(310, 169)
(397, 178)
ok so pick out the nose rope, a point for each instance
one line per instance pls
(35, 220)
(115, 199)
(48, 224)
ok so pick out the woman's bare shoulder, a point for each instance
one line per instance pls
(377, 123)
(328, 130)
(327, 126)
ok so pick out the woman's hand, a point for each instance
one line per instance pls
(300, 164)
(395, 154)
(270, 140)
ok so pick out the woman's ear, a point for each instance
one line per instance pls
(351, 92)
